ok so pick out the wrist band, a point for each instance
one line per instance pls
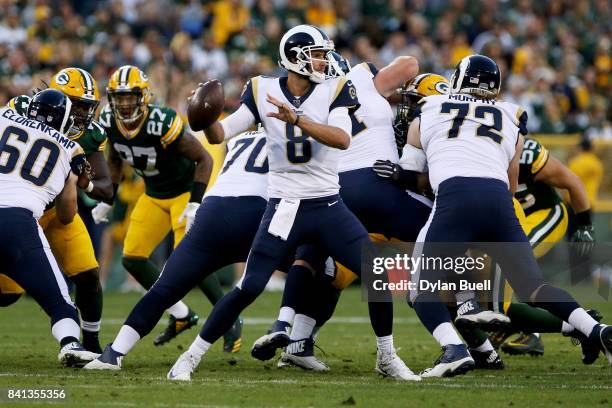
(89, 187)
(584, 218)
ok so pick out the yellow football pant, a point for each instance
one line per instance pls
(543, 228)
(151, 220)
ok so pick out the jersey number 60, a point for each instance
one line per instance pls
(12, 153)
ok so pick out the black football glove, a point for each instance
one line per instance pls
(387, 169)
(583, 240)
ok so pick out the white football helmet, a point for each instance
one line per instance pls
(296, 47)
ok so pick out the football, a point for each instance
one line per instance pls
(205, 105)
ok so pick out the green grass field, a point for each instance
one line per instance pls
(28, 360)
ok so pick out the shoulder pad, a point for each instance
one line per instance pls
(345, 95)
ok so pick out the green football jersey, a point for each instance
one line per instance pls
(534, 195)
(150, 150)
(93, 139)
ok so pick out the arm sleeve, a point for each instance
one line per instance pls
(522, 123)
(237, 122)
(340, 118)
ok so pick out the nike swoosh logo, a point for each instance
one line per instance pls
(330, 204)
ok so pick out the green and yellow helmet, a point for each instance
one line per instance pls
(412, 92)
(128, 94)
(82, 89)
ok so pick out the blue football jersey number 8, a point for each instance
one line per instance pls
(299, 149)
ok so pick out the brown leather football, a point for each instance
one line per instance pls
(205, 105)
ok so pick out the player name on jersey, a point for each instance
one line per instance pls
(64, 141)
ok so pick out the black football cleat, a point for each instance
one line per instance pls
(487, 360)
(176, 327)
(525, 343)
(232, 340)
(590, 350)
(265, 347)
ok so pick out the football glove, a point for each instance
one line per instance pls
(583, 240)
(400, 129)
(189, 214)
(386, 169)
(100, 212)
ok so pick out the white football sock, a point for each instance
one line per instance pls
(566, 328)
(385, 344)
(286, 314)
(464, 296)
(199, 347)
(484, 347)
(125, 340)
(582, 321)
(445, 334)
(90, 326)
(302, 327)
(179, 310)
(66, 327)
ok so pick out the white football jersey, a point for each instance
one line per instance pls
(34, 162)
(245, 169)
(300, 166)
(372, 133)
(464, 136)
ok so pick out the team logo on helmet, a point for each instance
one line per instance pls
(442, 87)
(63, 78)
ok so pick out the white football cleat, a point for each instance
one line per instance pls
(74, 355)
(184, 367)
(391, 365)
(300, 353)
(108, 360)
(455, 360)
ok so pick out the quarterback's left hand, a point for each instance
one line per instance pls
(583, 240)
(285, 112)
(189, 214)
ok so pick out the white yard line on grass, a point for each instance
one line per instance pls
(465, 382)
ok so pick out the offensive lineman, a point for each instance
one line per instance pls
(39, 166)
(71, 243)
(471, 144)
(222, 234)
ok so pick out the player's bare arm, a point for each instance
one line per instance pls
(513, 167)
(66, 202)
(192, 149)
(558, 175)
(398, 72)
(328, 135)
(115, 165)
(102, 184)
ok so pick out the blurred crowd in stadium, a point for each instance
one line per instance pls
(555, 55)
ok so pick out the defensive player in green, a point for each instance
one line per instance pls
(71, 243)
(175, 168)
(545, 224)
